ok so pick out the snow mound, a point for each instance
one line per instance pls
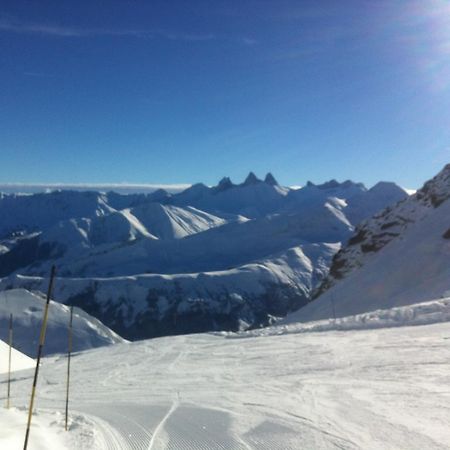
(43, 436)
(27, 309)
(425, 313)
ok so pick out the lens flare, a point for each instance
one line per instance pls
(427, 24)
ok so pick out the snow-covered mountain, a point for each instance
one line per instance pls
(252, 198)
(233, 299)
(224, 257)
(19, 361)
(27, 213)
(400, 256)
(27, 310)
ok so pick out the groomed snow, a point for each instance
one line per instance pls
(383, 388)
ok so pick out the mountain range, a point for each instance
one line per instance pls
(226, 257)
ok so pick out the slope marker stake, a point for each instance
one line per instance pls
(69, 352)
(10, 342)
(39, 354)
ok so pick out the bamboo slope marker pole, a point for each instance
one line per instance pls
(10, 339)
(68, 366)
(38, 360)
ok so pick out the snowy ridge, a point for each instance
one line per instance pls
(156, 304)
(19, 361)
(374, 234)
(400, 257)
(252, 198)
(426, 313)
(39, 211)
(171, 222)
(27, 309)
(224, 257)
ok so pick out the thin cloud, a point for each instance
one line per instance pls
(127, 188)
(37, 74)
(18, 27)
(62, 31)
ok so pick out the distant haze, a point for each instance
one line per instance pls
(123, 188)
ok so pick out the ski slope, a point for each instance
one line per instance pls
(381, 388)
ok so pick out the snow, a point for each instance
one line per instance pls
(28, 309)
(366, 204)
(232, 292)
(169, 222)
(43, 210)
(218, 248)
(257, 242)
(424, 313)
(411, 264)
(44, 435)
(383, 388)
(19, 361)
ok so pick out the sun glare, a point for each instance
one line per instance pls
(430, 22)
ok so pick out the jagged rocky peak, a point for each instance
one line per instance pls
(270, 179)
(334, 184)
(437, 190)
(197, 187)
(251, 179)
(350, 183)
(224, 184)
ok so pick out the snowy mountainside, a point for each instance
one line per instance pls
(27, 309)
(400, 256)
(39, 211)
(252, 198)
(156, 305)
(359, 202)
(171, 222)
(19, 361)
(211, 245)
(367, 204)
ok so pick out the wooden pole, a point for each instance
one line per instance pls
(69, 352)
(10, 341)
(39, 354)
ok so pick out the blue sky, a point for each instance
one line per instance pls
(179, 92)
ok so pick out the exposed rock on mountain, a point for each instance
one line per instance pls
(226, 257)
(398, 257)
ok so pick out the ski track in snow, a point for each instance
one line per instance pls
(365, 389)
(160, 426)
